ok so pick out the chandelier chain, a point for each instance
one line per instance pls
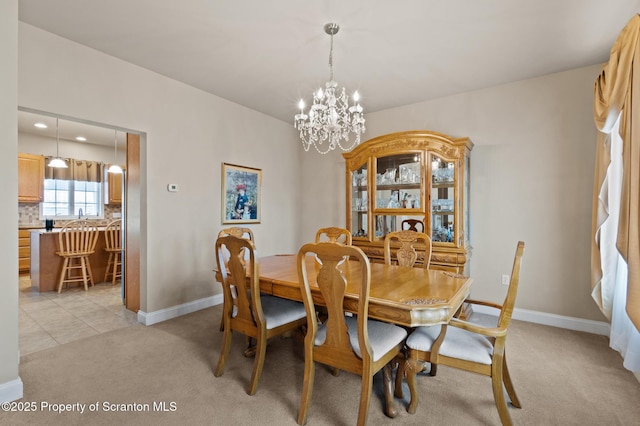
(331, 60)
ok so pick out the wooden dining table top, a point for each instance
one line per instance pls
(405, 296)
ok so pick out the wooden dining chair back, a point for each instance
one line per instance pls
(412, 225)
(245, 310)
(113, 246)
(351, 343)
(412, 247)
(76, 242)
(334, 235)
(237, 231)
(240, 232)
(467, 346)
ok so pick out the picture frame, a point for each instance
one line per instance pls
(241, 194)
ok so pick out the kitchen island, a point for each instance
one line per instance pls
(46, 265)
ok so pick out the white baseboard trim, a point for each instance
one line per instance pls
(150, 318)
(570, 323)
(11, 391)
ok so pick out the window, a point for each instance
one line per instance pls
(65, 198)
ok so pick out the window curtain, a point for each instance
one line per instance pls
(615, 224)
(623, 335)
(81, 170)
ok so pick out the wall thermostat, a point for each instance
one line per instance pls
(173, 187)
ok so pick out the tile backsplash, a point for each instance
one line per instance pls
(28, 215)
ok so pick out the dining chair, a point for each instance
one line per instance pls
(350, 343)
(414, 247)
(240, 232)
(246, 311)
(412, 225)
(113, 246)
(466, 346)
(333, 235)
(237, 231)
(76, 242)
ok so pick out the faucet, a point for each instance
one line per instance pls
(80, 213)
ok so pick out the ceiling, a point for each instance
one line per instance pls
(267, 54)
(68, 129)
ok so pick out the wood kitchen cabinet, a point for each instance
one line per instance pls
(114, 188)
(419, 175)
(30, 178)
(24, 250)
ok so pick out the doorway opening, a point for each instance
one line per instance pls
(104, 298)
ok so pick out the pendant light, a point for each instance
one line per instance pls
(114, 168)
(57, 162)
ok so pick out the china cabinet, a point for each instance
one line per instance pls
(408, 176)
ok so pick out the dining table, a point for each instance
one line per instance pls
(409, 297)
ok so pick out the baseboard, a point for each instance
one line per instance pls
(150, 318)
(570, 323)
(11, 391)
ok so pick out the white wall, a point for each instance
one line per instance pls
(187, 135)
(531, 176)
(10, 383)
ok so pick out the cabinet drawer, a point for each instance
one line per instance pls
(24, 242)
(24, 252)
(24, 264)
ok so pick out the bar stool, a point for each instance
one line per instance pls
(113, 246)
(76, 242)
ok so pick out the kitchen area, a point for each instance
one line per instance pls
(47, 200)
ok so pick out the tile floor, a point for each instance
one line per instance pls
(50, 319)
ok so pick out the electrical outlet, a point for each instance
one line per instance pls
(505, 280)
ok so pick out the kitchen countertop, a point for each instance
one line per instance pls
(56, 230)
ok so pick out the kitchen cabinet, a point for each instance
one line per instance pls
(24, 250)
(414, 175)
(30, 178)
(114, 188)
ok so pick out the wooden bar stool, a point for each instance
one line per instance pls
(76, 242)
(113, 246)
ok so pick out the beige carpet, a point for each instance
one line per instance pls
(562, 378)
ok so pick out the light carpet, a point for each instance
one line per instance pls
(562, 377)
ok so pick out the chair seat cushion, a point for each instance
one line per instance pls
(382, 336)
(278, 311)
(458, 343)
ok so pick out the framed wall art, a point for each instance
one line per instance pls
(240, 194)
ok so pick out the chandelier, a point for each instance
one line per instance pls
(330, 118)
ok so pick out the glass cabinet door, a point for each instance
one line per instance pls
(397, 192)
(359, 203)
(443, 207)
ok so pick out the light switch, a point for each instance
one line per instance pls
(173, 187)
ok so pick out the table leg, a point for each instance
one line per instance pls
(390, 405)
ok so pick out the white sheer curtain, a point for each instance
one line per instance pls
(624, 336)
